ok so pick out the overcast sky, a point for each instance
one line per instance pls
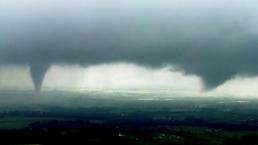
(211, 44)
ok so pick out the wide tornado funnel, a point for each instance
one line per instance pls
(38, 72)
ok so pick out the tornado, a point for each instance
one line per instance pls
(37, 73)
(194, 37)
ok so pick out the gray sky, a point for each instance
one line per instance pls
(215, 40)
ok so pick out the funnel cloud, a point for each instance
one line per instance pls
(214, 40)
(37, 72)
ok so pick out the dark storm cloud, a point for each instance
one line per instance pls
(215, 40)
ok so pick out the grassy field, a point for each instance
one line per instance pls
(124, 118)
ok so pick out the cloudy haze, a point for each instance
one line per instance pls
(208, 42)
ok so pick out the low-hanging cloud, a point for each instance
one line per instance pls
(215, 40)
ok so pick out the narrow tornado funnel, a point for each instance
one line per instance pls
(38, 72)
